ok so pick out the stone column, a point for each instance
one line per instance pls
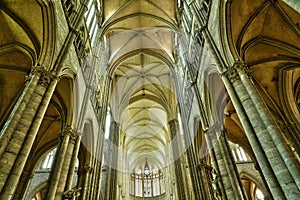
(134, 186)
(85, 173)
(96, 179)
(205, 172)
(191, 158)
(57, 167)
(265, 137)
(151, 185)
(89, 190)
(21, 105)
(66, 165)
(73, 163)
(225, 164)
(272, 127)
(111, 184)
(23, 184)
(176, 149)
(21, 130)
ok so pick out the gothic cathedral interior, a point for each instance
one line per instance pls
(149, 99)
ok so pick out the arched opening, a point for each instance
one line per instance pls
(37, 188)
(147, 182)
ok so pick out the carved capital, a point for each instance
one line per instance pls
(232, 74)
(242, 67)
(69, 131)
(46, 78)
(73, 137)
(35, 71)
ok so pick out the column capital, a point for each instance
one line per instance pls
(232, 73)
(73, 137)
(241, 66)
(69, 131)
(45, 77)
(215, 128)
(35, 70)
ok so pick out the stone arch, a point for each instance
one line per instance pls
(38, 189)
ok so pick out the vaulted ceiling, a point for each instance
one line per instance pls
(140, 36)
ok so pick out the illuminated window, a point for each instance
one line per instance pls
(239, 153)
(91, 21)
(47, 161)
(259, 195)
(146, 182)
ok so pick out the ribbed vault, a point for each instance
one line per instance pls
(140, 36)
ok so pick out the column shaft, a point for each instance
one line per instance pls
(65, 168)
(17, 150)
(73, 164)
(59, 162)
(254, 142)
(111, 186)
(18, 110)
(85, 173)
(23, 185)
(265, 131)
(273, 129)
(227, 173)
(176, 149)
